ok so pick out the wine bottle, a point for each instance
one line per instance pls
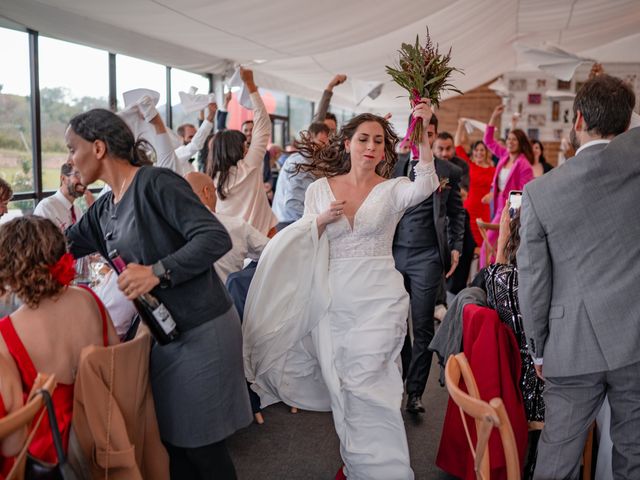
(150, 309)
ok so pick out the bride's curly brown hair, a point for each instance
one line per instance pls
(332, 159)
(28, 245)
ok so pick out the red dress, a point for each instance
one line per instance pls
(480, 179)
(5, 464)
(42, 445)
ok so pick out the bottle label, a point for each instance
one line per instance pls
(164, 319)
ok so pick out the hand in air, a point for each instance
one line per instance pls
(498, 110)
(212, 108)
(337, 80)
(423, 110)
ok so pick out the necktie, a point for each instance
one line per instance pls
(73, 216)
(412, 174)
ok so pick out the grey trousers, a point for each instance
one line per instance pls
(572, 404)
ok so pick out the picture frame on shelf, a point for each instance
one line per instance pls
(533, 134)
(558, 133)
(564, 85)
(535, 120)
(541, 83)
(535, 98)
(517, 84)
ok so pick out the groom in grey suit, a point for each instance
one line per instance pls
(579, 277)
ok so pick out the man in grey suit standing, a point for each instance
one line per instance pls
(578, 274)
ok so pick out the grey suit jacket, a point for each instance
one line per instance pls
(579, 260)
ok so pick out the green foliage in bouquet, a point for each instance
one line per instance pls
(424, 72)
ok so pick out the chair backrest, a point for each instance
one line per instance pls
(487, 415)
(24, 417)
(25, 414)
(489, 249)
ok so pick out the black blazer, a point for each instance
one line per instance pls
(447, 211)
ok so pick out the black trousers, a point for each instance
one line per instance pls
(211, 462)
(422, 270)
(458, 281)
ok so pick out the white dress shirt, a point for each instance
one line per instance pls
(58, 209)
(185, 152)
(247, 243)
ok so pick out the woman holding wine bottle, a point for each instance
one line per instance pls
(163, 242)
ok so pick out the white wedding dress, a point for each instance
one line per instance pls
(325, 321)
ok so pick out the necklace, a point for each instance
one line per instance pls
(127, 180)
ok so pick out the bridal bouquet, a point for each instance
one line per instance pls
(424, 72)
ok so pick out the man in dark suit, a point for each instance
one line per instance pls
(444, 149)
(423, 252)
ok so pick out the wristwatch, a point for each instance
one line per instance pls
(162, 273)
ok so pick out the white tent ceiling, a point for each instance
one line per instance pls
(303, 44)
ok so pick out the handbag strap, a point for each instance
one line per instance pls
(19, 459)
(53, 424)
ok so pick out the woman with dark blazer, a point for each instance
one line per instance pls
(169, 242)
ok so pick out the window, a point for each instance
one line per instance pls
(134, 73)
(275, 101)
(300, 114)
(73, 79)
(16, 159)
(18, 208)
(182, 81)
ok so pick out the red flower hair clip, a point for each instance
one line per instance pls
(64, 270)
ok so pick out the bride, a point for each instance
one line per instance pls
(329, 336)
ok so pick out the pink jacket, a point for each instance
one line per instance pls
(521, 173)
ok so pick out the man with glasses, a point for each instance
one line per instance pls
(60, 207)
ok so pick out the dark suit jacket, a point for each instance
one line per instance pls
(447, 211)
(464, 166)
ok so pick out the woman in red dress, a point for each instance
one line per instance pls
(55, 323)
(481, 172)
(10, 401)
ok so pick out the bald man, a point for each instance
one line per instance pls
(247, 241)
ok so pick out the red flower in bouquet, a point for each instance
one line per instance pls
(423, 72)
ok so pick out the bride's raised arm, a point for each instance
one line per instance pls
(406, 193)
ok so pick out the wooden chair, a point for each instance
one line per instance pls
(489, 249)
(24, 416)
(487, 416)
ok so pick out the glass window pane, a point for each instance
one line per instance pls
(299, 116)
(135, 73)
(73, 79)
(18, 208)
(275, 103)
(182, 81)
(15, 111)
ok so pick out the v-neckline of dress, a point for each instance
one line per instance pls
(355, 214)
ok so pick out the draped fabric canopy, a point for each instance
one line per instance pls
(297, 46)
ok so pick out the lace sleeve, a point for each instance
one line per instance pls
(406, 193)
(310, 203)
